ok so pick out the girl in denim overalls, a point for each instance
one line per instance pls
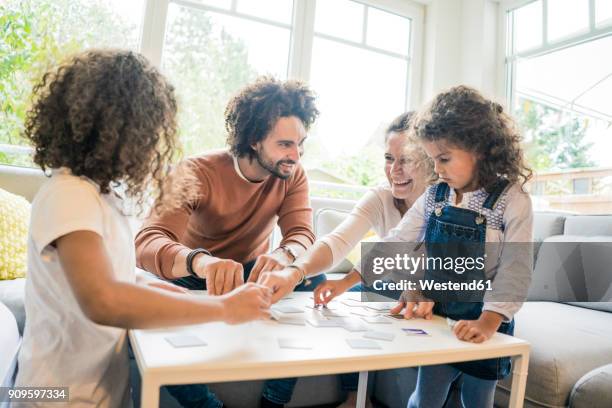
(479, 200)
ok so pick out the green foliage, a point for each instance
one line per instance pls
(364, 168)
(554, 140)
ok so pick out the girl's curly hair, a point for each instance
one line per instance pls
(464, 118)
(253, 112)
(108, 115)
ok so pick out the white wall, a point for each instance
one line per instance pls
(461, 46)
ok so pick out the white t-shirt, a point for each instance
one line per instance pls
(61, 346)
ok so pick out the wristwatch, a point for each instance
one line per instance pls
(189, 260)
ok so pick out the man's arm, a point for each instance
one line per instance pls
(295, 222)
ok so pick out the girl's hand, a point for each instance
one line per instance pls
(421, 308)
(477, 331)
(328, 290)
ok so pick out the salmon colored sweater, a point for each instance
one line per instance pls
(233, 217)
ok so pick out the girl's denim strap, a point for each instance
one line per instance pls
(499, 188)
(441, 192)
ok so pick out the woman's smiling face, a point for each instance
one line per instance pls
(404, 175)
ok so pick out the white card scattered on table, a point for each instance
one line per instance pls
(324, 323)
(376, 320)
(354, 326)
(363, 344)
(363, 312)
(291, 320)
(352, 302)
(287, 309)
(333, 313)
(376, 335)
(381, 306)
(300, 344)
(185, 341)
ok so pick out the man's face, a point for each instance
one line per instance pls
(280, 151)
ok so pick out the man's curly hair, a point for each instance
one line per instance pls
(465, 119)
(252, 113)
(108, 115)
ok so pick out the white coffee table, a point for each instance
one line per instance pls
(250, 351)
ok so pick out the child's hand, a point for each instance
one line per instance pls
(247, 302)
(326, 291)
(421, 308)
(477, 331)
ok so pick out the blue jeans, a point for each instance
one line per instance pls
(433, 385)
(199, 395)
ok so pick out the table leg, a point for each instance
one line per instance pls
(362, 389)
(519, 380)
(149, 394)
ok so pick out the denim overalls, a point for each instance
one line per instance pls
(460, 230)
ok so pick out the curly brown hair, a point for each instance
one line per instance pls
(253, 112)
(108, 115)
(464, 118)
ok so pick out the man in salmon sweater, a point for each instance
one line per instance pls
(222, 239)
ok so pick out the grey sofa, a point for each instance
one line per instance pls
(571, 355)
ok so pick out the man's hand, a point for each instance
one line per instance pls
(222, 275)
(247, 302)
(269, 262)
(477, 331)
(281, 282)
(422, 309)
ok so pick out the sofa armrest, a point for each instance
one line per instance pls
(593, 389)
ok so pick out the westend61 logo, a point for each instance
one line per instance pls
(411, 264)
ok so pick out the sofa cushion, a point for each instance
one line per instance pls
(593, 389)
(566, 343)
(325, 221)
(14, 222)
(547, 224)
(588, 225)
(12, 294)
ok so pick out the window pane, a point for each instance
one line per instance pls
(37, 34)
(562, 103)
(329, 12)
(567, 17)
(527, 26)
(223, 4)
(276, 10)
(208, 57)
(359, 93)
(388, 31)
(603, 12)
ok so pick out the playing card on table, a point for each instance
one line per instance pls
(352, 302)
(288, 309)
(363, 344)
(354, 326)
(291, 320)
(324, 323)
(380, 306)
(363, 312)
(185, 341)
(376, 335)
(414, 332)
(376, 320)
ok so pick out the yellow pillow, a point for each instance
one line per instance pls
(14, 221)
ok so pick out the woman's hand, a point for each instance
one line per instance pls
(328, 290)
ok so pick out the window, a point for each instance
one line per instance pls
(559, 92)
(37, 34)
(362, 68)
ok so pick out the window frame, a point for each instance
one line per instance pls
(301, 38)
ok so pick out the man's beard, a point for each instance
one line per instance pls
(273, 168)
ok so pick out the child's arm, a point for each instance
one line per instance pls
(477, 331)
(110, 302)
(328, 290)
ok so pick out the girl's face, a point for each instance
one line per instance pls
(454, 166)
(404, 176)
